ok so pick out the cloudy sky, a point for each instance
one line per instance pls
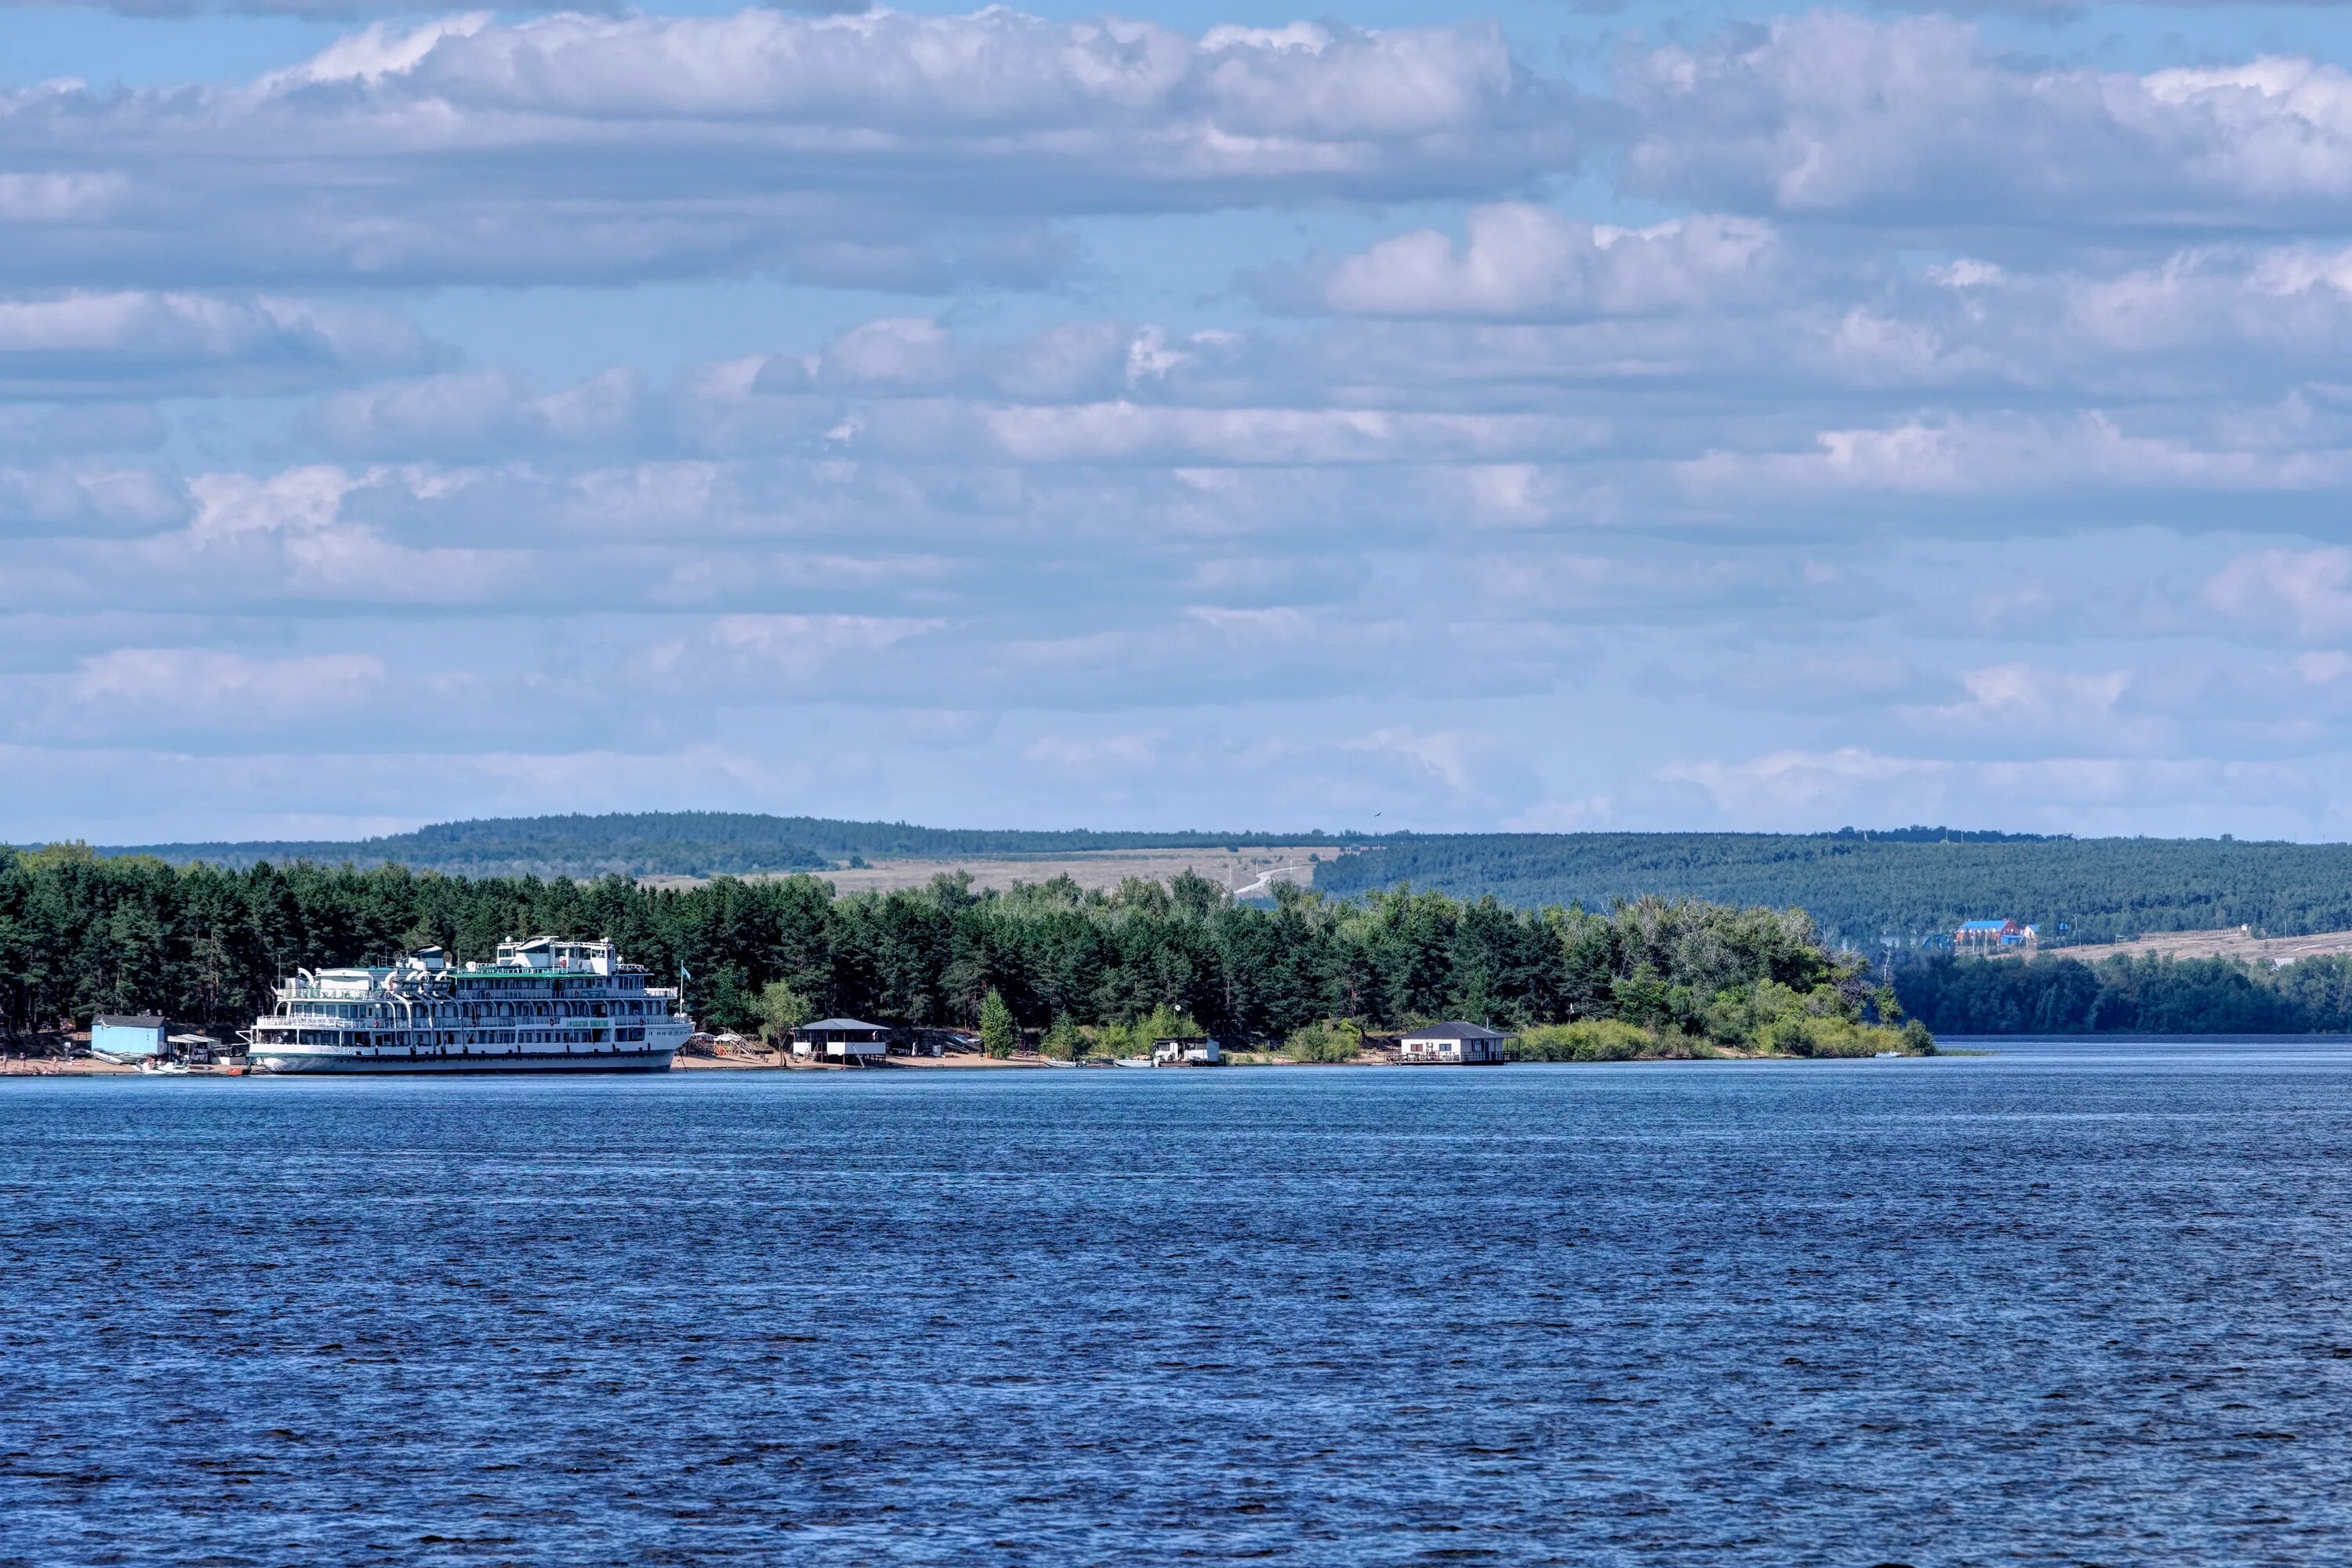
(1536, 415)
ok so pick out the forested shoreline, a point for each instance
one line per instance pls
(2054, 994)
(81, 935)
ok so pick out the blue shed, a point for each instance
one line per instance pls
(127, 1038)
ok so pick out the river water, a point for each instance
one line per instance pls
(2074, 1302)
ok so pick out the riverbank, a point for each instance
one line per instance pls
(87, 1066)
(685, 1063)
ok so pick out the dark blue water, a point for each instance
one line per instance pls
(2071, 1304)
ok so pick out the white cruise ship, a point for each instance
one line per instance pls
(544, 1005)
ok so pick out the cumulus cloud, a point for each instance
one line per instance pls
(138, 342)
(1450, 756)
(1520, 262)
(486, 414)
(882, 148)
(1914, 121)
(293, 536)
(2306, 592)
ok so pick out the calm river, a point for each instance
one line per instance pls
(2070, 1303)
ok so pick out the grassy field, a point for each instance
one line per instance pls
(1247, 872)
(2237, 941)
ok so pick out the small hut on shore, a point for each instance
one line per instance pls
(850, 1040)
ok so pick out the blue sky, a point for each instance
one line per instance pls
(1548, 416)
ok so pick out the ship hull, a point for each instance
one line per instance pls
(307, 1063)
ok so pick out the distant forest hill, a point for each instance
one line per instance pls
(1910, 885)
(680, 842)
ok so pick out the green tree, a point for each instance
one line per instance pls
(781, 1010)
(998, 1034)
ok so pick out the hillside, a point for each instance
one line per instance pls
(682, 844)
(1908, 886)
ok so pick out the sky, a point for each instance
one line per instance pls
(1552, 414)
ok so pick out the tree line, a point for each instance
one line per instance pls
(1908, 887)
(680, 842)
(2149, 995)
(81, 935)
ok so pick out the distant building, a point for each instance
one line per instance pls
(841, 1040)
(921, 1043)
(1453, 1041)
(1994, 935)
(1185, 1051)
(128, 1038)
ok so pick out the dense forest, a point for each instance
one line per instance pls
(2146, 996)
(1907, 887)
(81, 933)
(677, 843)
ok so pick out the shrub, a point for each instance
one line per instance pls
(1591, 1040)
(1325, 1041)
(1065, 1042)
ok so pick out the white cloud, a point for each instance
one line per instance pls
(132, 342)
(2030, 694)
(221, 683)
(64, 197)
(2307, 591)
(1795, 790)
(486, 414)
(1523, 262)
(290, 536)
(1088, 755)
(86, 500)
(877, 150)
(1452, 756)
(2016, 454)
(1793, 782)
(1914, 121)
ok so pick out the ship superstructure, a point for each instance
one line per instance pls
(546, 1004)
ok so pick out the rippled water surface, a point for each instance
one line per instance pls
(2070, 1303)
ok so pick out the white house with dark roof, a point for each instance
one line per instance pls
(842, 1040)
(1453, 1041)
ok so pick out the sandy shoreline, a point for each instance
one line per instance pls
(683, 1063)
(51, 1066)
